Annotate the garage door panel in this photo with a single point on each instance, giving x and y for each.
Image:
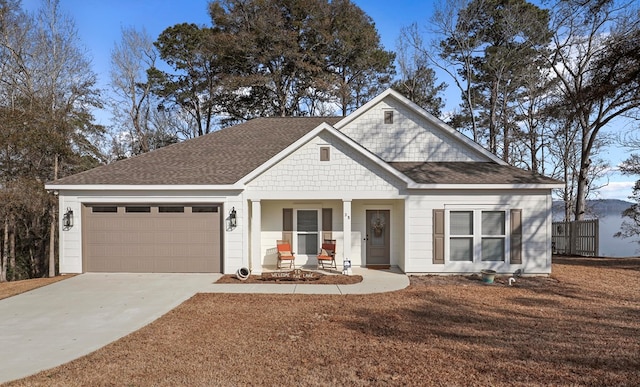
(151, 241)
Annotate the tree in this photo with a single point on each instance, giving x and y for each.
(497, 43)
(292, 58)
(360, 66)
(192, 88)
(134, 106)
(631, 228)
(47, 132)
(417, 80)
(594, 45)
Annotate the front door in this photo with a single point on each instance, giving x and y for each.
(378, 239)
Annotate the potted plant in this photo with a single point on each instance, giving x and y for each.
(488, 276)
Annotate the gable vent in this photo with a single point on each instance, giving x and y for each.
(388, 116)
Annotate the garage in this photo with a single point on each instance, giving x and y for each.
(152, 238)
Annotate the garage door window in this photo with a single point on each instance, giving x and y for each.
(198, 209)
(137, 209)
(104, 209)
(170, 209)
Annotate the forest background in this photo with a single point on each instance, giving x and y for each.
(548, 86)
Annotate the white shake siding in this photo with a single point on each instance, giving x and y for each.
(536, 226)
(308, 183)
(410, 138)
(348, 174)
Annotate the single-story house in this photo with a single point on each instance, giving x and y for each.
(390, 183)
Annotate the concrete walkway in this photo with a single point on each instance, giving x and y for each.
(55, 324)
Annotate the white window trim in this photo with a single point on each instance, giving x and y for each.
(477, 237)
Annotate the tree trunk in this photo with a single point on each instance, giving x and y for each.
(5, 251)
(12, 250)
(53, 228)
(581, 192)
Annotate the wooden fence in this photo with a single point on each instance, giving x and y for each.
(579, 237)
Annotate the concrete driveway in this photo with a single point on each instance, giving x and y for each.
(55, 324)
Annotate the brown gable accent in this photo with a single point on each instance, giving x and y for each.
(469, 173)
(221, 157)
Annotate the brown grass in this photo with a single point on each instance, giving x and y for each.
(9, 289)
(581, 327)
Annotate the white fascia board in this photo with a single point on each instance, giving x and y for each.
(308, 137)
(142, 187)
(424, 114)
(466, 187)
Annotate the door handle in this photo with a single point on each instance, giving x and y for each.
(366, 238)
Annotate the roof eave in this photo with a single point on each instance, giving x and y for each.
(143, 187)
(467, 187)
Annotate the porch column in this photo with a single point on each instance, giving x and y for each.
(256, 231)
(346, 227)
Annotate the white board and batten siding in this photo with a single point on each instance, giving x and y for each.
(536, 230)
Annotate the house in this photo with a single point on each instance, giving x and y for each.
(393, 185)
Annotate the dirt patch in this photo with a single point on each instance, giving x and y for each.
(323, 279)
(9, 289)
(580, 327)
(476, 280)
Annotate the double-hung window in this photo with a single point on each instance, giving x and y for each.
(493, 238)
(477, 235)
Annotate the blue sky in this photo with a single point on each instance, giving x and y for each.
(99, 24)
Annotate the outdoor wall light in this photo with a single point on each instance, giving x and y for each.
(67, 218)
(233, 222)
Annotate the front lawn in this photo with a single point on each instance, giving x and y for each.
(580, 327)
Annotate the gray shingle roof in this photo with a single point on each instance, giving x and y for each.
(220, 158)
(225, 156)
(469, 173)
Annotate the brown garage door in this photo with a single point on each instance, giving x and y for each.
(154, 238)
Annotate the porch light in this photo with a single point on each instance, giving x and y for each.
(67, 218)
(232, 218)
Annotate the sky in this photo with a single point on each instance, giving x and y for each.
(99, 24)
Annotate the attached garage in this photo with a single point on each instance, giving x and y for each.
(152, 238)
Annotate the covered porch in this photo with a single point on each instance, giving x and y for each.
(368, 232)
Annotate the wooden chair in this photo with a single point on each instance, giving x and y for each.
(285, 254)
(327, 255)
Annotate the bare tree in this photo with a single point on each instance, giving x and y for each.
(449, 22)
(134, 107)
(585, 34)
(46, 93)
(417, 79)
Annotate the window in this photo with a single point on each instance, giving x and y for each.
(170, 209)
(325, 154)
(493, 235)
(137, 209)
(388, 116)
(200, 209)
(104, 209)
(307, 232)
(477, 235)
(461, 231)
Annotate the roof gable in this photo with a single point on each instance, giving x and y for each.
(347, 172)
(355, 151)
(414, 135)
